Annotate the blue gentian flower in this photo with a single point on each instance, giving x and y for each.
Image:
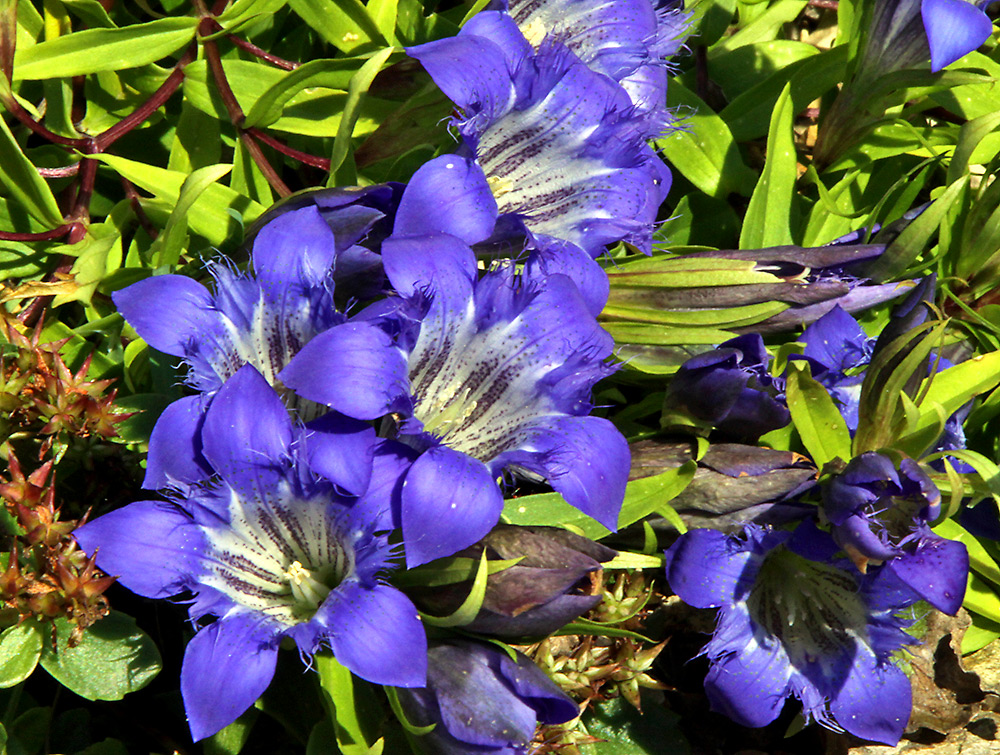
(261, 319)
(904, 33)
(838, 351)
(483, 375)
(627, 40)
(482, 701)
(793, 621)
(954, 28)
(270, 548)
(879, 512)
(552, 150)
(731, 389)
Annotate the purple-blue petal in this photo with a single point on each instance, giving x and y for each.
(376, 633)
(449, 195)
(293, 252)
(151, 546)
(175, 449)
(874, 702)
(247, 432)
(586, 459)
(835, 340)
(937, 570)
(168, 311)
(449, 502)
(707, 569)
(341, 450)
(954, 29)
(751, 684)
(355, 368)
(227, 666)
(439, 262)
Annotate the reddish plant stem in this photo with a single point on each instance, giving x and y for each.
(106, 138)
(134, 201)
(15, 109)
(55, 233)
(236, 112)
(68, 170)
(303, 157)
(250, 47)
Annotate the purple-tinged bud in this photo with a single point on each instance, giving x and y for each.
(536, 596)
(481, 700)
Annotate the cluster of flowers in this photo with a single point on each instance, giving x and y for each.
(858, 560)
(393, 353)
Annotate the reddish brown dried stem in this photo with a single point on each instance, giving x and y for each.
(134, 201)
(236, 112)
(250, 47)
(303, 157)
(55, 233)
(68, 170)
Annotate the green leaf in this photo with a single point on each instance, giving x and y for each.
(472, 604)
(97, 256)
(243, 12)
(232, 739)
(970, 136)
(703, 150)
(331, 74)
(20, 649)
(113, 658)
(642, 498)
(397, 708)
(765, 27)
(906, 247)
(345, 24)
(210, 215)
(128, 47)
(981, 598)
(819, 423)
(356, 90)
(352, 707)
(626, 731)
(166, 250)
(22, 183)
(768, 221)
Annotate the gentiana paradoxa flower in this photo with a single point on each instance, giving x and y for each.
(261, 318)
(482, 375)
(271, 549)
(796, 622)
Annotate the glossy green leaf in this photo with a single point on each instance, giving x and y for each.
(625, 731)
(765, 27)
(352, 707)
(768, 221)
(818, 421)
(166, 250)
(114, 657)
(356, 91)
(981, 597)
(642, 497)
(242, 12)
(472, 604)
(330, 74)
(970, 136)
(703, 150)
(128, 47)
(20, 649)
(22, 183)
(345, 24)
(209, 215)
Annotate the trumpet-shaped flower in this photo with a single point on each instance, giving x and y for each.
(272, 550)
(794, 622)
(483, 375)
(881, 512)
(261, 319)
(627, 40)
(552, 149)
(482, 701)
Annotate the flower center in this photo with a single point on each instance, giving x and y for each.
(309, 587)
(813, 609)
(534, 32)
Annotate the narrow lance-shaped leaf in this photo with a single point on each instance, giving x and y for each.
(768, 219)
(128, 47)
(819, 423)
